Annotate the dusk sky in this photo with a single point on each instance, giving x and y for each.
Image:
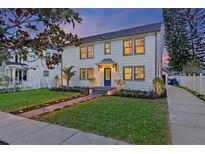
(97, 21)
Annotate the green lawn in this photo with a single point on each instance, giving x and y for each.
(137, 121)
(19, 100)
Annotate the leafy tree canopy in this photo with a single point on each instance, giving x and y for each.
(36, 29)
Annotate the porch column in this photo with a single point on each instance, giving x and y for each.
(14, 76)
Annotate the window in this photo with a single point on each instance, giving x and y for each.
(107, 48)
(25, 75)
(139, 46)
(82, 73)
(90, 51)
(45, 73)
(16, 59)
(47, 56)
(83, 53)
(127, 44)
(127, 73)
(90, 73)
(139, 73)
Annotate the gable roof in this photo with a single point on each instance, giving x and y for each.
(155, 27)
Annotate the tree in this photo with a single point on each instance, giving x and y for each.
(37, 29)
(56, 78)
(193, 67)
(4, 56)
(68, 74)
(176, 41)
(195, 19)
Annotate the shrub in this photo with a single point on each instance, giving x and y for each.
(82, 90)
(119, 84)
(139, 94)
(158, 84)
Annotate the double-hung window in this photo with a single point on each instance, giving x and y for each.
(90, 51)
(82, 73)
(139, 46)
(107, 48)
(127, 45)
(127, 73)
(82, 52)
(90, 73)
(139, 73)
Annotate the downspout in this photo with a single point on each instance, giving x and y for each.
(155, 54)
(61, 68)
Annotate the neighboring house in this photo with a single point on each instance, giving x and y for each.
(27, 74)
(133, 56)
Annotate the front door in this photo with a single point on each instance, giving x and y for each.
(107, 77)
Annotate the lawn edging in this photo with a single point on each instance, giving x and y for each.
(195, 93)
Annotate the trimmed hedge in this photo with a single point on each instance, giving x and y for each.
(82, 90)
(140, 94)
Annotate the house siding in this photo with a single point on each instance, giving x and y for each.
(71, 58)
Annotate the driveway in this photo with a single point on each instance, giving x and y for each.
(22, 131)
(187, 117)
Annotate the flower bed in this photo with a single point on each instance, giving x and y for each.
(44, 105)
(140, 94)
(82, 90)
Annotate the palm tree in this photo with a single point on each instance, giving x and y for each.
(68, 74)
(56, 78)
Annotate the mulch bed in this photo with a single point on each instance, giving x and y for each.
(44, 105)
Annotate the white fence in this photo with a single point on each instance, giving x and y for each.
(196, 83)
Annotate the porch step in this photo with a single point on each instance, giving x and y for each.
(102, 90)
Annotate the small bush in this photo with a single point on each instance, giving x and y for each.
(158, 84)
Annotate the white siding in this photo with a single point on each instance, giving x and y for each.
(71, 57)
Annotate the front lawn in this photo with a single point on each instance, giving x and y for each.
(137, 121)
(19, 100)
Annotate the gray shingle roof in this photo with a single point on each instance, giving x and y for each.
(14, 63)
(155, 27)
(106, 61)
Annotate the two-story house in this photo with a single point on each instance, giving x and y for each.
(133, 56)
(30, 72)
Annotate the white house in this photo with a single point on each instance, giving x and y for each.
(133, 56)
(27, 74)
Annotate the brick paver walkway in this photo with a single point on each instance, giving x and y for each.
(22, 131)
(187, 117)
(46, 109)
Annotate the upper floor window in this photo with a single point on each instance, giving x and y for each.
(127, 73)
(90, 73)
(90, 51)
(107, 48)
(139, 73)
(139, 46)
(47, 56)
(82, 73)
(16, 58)
(82, 52)
(127, 44)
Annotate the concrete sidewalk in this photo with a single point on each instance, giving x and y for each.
(22, 131)
(187, 117)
